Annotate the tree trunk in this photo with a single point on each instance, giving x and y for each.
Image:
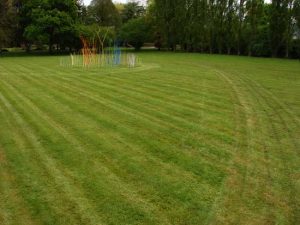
(228, 51)
(51, 40)
(28, 47)
(287, 55)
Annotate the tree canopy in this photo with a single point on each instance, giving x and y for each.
(242, 27)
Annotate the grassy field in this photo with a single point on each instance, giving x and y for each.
(183, 139)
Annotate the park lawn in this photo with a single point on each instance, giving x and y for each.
(182, 139)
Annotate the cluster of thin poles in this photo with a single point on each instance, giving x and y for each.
(92, 57)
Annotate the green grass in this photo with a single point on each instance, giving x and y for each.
(182, 139)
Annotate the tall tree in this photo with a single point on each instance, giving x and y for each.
(254, 9)
(132, 10)
(104, 13)
(289, 24)
(7, 22)
(231, 25)
(241, 17)
(51, 21)
(277, 26)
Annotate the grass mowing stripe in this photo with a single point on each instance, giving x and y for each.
(94, 169)
(110, 78)
(61, 180)
(127, 81)
(288, 119)
(153, 112)
(234, 185)
(104, 104)
(133, 196)
(158, 156)
(12, 207)
(167, 117)
(264, 105)
(32, 178)
(165, 93)
(173, 107)
(253, 94)
(170, 79)
(256, 168)
(178, 119)
(217, 214)
(171, 110)
(281, 129)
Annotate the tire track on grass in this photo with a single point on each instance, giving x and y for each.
(256, 93)
(276, 106)
(258, 146)
(264, 104)
(290, 168)
(235, 183)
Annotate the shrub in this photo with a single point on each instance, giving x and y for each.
(135, 32)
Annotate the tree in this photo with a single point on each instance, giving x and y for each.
(52, 22)
(289, 25)
(135, 32)
(296, 11)
(104, 13)
(254, 9)
(132, 10)
(171, 19)
(7, 23)
(231, 26)
(241, 17)
(277, 26)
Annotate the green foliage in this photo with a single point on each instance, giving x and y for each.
(52, 22)
(7, 23)
(297, 12)
(104, 13)
(227, 26)
(132, 10)
(99, 35)
(135, 32)
(248, 27)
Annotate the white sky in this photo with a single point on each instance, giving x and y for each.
(87, 2)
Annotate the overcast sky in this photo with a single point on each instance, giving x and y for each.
(86, 2)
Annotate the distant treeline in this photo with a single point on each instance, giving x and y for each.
(242, 27)
(248, 27)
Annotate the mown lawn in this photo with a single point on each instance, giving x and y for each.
(183, 139)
